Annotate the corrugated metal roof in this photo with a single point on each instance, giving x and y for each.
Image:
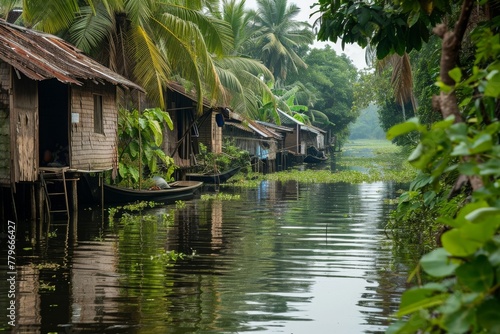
(178, 88)
(276, 127)
(261, 130)
(41, 56)
(287, 119)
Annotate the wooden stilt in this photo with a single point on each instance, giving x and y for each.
(74, 210)
(2, 205)
(101, 184)
(74, 197)
(41, 210)
(13, 202)
(33, 213)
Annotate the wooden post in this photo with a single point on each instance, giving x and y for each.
(2, 205)
(74, 196)
(13, 202)
(74, 211)
(33, 213)
(101, 183)
(41, 211)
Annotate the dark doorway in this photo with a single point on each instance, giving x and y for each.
(53, 104)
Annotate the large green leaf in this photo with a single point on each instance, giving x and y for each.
(476, 275)
(460, 321)
(487, 315)
(404, 128)
(466, 240)
(438, 263)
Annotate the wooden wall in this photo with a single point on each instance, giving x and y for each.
(4, 124)
(90, 150)
(291, 142)
(24, 124)
(211, 134)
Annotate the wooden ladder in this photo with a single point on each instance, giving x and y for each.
(53, 176)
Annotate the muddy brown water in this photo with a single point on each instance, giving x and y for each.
(284, 258)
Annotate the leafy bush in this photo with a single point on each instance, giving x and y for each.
(140, 137)
(231, 157)
(464, 293)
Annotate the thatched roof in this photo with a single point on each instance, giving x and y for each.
(42, 56)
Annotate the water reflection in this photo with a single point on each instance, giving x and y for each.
(286, 258)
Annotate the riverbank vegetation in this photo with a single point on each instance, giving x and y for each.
(452, 206)
(360, 161)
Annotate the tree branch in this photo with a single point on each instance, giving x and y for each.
(447, 103)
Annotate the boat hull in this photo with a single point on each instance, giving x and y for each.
(311, 159)
(180, 190)
(212, 178)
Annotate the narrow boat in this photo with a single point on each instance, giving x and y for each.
(180, 190)
(213, 178)
(314, 156)
(312, 159)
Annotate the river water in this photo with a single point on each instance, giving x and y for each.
(284, 258)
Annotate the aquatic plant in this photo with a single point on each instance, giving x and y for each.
(180, 204)
(166, 257)
(361, 161)
(220, 196)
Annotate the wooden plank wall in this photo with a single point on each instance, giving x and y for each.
(291, 142)
(24, 124)
(4, 123)
(90, 150)
(211, 134)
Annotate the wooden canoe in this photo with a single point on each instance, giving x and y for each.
(180, 190)
(214, 178)
(311, 159)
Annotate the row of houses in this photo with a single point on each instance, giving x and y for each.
(55, 98)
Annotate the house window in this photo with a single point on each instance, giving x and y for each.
(98, 119)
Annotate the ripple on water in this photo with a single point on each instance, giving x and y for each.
(286, 258)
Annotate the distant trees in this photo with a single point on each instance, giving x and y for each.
(332, 79)
(367, 125)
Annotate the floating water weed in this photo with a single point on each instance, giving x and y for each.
(220, 196)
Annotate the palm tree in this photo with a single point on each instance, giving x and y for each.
(245, 79)
(279, 36)
(148, 41)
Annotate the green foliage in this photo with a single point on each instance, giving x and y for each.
(180, 204)
(464, 296)
(331, 79)
(140, 138)
(220, 197)
(367, 125)
(278, 36)
(361, 161)
(388, 26)
(231, 157)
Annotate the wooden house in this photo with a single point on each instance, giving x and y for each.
(190, 128)
(303, 136)
(262, 143)
(54, 98)
(282, 156)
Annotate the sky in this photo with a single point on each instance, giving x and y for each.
(353, 51)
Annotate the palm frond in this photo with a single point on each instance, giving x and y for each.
(90, 28)
(217, 33)
(151, 69)
(50, 16)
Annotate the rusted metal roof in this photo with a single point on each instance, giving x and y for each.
(178, 88)
(245, 122)
(41, 56)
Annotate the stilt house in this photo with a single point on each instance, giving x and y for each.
(58, 111)
(53, 97)
(303, 136)
(190, 127)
